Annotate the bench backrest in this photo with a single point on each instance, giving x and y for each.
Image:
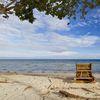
(83, 67)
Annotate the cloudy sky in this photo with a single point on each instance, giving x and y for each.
(50, 38)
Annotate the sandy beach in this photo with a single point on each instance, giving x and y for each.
(43, 86)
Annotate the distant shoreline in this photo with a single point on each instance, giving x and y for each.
(43, 59)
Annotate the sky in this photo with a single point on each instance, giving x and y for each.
(51, 38)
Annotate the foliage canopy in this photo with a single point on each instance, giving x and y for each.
(24, 9)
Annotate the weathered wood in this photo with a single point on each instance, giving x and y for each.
(87, 90)
(67, 94)
(84, 73)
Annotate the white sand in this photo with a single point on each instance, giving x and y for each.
(44, 87)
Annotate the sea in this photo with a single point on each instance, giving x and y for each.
(45, 65)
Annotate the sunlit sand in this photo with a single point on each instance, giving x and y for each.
(52, 86)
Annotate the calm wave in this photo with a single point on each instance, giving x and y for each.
(26, 65)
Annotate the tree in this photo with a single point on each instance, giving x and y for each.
(24, 9)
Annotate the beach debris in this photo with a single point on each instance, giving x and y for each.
(28, 87)
(3, 80)
(68, 94)
(83, 93)
(87, 90)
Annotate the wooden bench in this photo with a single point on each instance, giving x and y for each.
(84, 73)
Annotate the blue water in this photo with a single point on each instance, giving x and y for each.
(31, 65)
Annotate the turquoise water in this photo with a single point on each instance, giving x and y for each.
(46, 65)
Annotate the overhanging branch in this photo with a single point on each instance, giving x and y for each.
(6, 9)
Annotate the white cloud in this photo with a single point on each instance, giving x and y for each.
(88, 56)
(35, 54)
(82, 24)
(53, 23)
(56, 24)
(98, 10)
(52, 43)
(22, 39)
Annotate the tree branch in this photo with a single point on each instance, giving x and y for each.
(10, 3)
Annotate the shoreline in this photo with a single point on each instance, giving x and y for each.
(69, 76)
